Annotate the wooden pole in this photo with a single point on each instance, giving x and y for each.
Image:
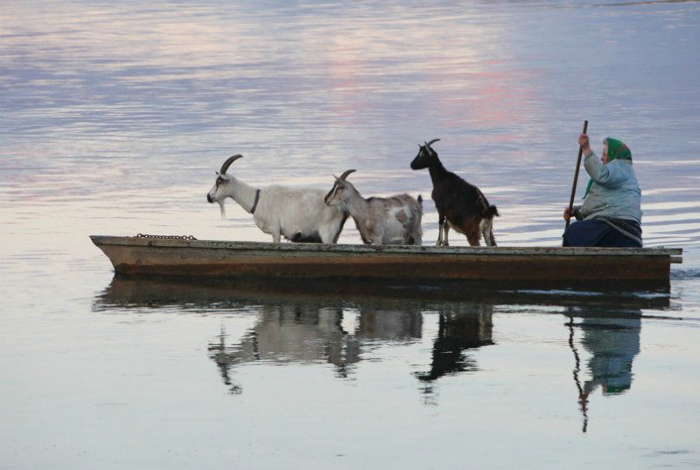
(578, 166)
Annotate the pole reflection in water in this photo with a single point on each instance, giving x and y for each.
(612, 343)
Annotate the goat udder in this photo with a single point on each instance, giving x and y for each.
(302, 238)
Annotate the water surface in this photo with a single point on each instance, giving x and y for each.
(113, 119)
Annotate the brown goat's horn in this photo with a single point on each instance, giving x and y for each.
(431, 142)
(345, 175)
(228, 162)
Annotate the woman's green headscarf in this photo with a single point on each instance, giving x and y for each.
(616, 151)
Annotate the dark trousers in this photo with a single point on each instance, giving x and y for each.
(596, 233)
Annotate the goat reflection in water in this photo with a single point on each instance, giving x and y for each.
(612, 344)
(298, 327)
(288, 333)
(309, 333)
(458, 332)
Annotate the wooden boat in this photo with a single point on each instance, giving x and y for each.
(532, 267)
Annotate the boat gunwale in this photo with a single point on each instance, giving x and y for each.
(675, 254)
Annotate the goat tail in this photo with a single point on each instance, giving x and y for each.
(491, 212)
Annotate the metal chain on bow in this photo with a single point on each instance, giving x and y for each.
(169, 237)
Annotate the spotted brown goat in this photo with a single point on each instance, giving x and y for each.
(391, 220)
(460, 205)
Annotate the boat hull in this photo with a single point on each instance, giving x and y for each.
(528, 267)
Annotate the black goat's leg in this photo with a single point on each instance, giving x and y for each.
(447, 229)
(486, 228)
(441, 221)
(473, 238)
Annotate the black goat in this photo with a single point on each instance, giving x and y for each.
(459, 204)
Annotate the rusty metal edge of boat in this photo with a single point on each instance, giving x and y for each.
(674, 254)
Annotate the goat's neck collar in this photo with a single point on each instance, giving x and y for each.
(244, 194)
(255, 203)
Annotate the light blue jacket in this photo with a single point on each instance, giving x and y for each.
(614, 193)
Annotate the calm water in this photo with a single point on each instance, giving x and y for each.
(113, 119)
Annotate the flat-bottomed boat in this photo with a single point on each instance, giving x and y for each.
(513, 267)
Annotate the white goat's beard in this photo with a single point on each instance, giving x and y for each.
(222, 207)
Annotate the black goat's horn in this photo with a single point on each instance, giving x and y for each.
(228, 162)
(431, 142)
(345, 175)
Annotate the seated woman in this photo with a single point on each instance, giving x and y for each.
(611, 212)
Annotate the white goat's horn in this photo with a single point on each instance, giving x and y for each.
(345, 174)
(228, 162)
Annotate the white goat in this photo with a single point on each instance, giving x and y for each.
(298, 214)
(381, 221)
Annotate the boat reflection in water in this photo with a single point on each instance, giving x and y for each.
(339, 325)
